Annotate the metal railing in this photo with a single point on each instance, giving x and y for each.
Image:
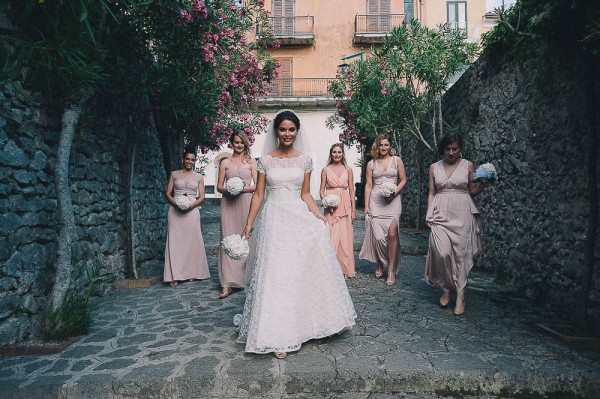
(300, 87)
(292, 26)
(377, 23)
(458, 25)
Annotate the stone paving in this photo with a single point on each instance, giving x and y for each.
(163, 342)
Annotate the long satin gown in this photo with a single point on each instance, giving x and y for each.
(296, 291)
(383, 213)
(234, 211)
(185, 255)
(455, 237)
(340, 221)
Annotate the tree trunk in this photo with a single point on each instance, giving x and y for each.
(64, 265)
(130, 213)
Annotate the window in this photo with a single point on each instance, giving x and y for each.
(283, 17)
(282, 86)
(491, 5)
(409, 11)
(457, 15)
(378, 15)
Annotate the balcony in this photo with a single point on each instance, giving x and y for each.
(300, 87)
(372, 28)
(293, 31)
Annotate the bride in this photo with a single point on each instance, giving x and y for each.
(296, 291)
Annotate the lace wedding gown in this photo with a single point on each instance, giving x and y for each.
(297, 291)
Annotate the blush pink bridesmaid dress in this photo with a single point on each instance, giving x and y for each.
(340, 221)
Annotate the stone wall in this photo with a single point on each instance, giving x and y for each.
(532, 127)
(99, 178)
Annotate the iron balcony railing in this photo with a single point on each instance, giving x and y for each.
(377, 23)
(293, 26)
(458, 25)
(300, 87)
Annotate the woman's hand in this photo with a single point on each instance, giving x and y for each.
(319, 215)
(367, 211)
(353, 215)
(247, 232)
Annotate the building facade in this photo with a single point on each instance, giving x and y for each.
(317, 37)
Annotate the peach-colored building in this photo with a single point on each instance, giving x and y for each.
(318, 36)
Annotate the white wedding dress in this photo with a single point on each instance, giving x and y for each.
(297, 291)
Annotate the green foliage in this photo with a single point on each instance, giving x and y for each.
(397, 90)
(188, 62)
(556, 29)
(73, 317)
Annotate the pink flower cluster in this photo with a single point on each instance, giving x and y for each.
(199, 11)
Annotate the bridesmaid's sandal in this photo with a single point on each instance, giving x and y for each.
(391, 282)
(379, 273)
(459, 310)
(225, 293)
(280, 355)
(173, 284)
(445, 299)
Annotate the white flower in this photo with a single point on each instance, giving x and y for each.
(236, 246)
(331, 201)
(388, 189)
(235, 185)
(487, 172)
(183, 202)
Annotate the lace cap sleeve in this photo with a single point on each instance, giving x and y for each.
(308, 164)
(260, 165)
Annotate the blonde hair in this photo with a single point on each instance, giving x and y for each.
(330, 160)
(246, 154)
(377, 142)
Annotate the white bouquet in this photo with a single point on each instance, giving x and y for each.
(388, 189)
(487, 172)
(235, 185)
(330, 201)
(236, 246)
(183, 202)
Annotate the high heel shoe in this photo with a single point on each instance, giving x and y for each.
(445, 299)
(280, 355)
(379, 273)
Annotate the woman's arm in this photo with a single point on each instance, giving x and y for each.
(252, 188)
(475, 188)
(323, 182)
(368, 186)
(401, 176)
(309, 200)
(169, 191)
(431, 194)
(351, 191)
(221, 179)
(255, 203)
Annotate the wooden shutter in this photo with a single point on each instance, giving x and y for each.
(378, 19)
(283, 84)
(283, 13)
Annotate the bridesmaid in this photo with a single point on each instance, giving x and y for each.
(382, 215)
(337, 179)
(454, 239)
(234, 209)
(185, 256)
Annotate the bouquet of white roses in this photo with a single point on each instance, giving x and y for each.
(183, 202)
(235, 185)
(388, 189)
(236, 246)
(487, 172)
(330, 201)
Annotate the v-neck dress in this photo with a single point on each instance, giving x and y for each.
(455, 237)
(383, 213)
(340, 220)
